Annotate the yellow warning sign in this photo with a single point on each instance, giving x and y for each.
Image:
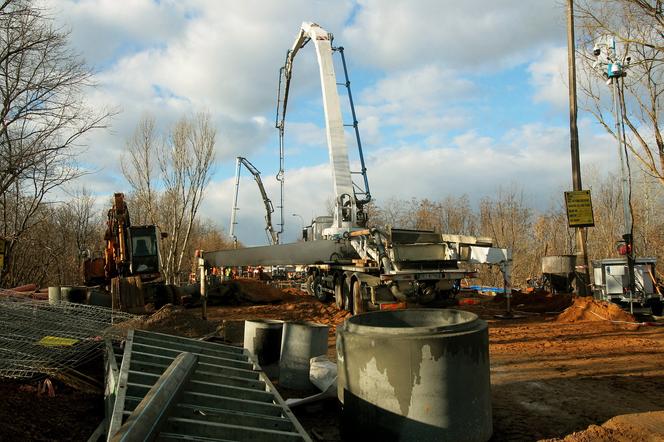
(579, 208)
(55, 341)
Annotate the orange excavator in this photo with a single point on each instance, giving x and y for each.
(130, 250)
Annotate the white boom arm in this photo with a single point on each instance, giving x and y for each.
(345, 215)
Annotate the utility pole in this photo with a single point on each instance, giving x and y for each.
(582, 270)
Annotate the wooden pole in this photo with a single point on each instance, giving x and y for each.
(582, 270)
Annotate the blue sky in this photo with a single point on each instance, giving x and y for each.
(451, 98)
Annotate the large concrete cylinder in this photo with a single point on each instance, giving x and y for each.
(300, 342)
(559, 264)
(262, 337)
(54, 295)
(417, 374)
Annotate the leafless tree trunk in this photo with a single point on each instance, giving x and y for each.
(168, 176)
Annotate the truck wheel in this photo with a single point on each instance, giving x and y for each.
(339, 293)
(317, 288)
(656, 307)
(359, 304)
(309, 285)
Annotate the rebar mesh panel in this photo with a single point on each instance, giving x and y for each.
(38, 337)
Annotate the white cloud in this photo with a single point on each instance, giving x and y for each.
(416, 101)
(395, 34)
(548, 75)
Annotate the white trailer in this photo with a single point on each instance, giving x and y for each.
(611, 280)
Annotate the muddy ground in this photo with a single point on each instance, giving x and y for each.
(551, 375)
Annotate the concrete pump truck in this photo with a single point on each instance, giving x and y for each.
(361, 267)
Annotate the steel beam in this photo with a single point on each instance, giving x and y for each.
(300, 253)
(145, 421)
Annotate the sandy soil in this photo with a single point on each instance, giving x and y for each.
(552, 375)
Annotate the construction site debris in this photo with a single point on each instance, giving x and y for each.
(539, 382)
(590, 309)
(25, 288)
(256, 291)
(171, 319)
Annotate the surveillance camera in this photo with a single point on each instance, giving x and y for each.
(596, 51)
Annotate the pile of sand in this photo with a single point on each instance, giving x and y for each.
(590, 309)
(253, 290)
(174, 320)
(623, 428)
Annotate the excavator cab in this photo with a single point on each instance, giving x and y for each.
(144, 250)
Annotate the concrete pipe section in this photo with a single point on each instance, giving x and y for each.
(300, 342)
(262, 337)
(54, 295)
(417, 374)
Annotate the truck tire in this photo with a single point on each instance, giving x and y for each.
(339, 293)
(315, 288)
(309, 285)
(359, 304)
(656, 307)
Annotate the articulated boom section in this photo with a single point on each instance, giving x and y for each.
(273, 236)
(346, 207)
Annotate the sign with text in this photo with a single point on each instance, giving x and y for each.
(579, 208)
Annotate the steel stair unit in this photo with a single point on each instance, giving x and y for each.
(165, 387)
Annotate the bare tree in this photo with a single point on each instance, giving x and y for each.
(138, 168)
(50, 250)
(43, 113)
(508, 220)
(168, 176)
(637, 26)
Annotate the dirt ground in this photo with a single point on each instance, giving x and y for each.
(553, 372)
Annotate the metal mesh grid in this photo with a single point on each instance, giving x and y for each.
(24, 322)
